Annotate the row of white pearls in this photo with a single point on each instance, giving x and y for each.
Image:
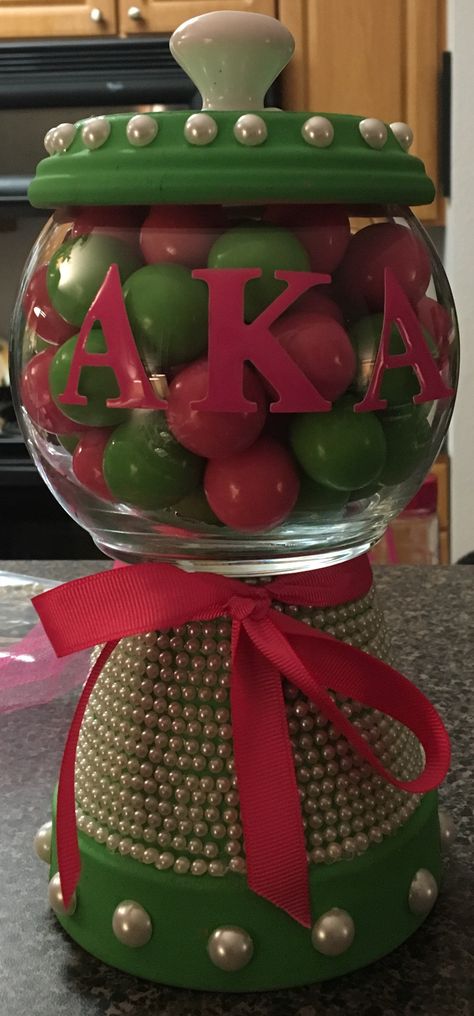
(375, 134)
(201, 129)
(59, 139)
(318, 131)
(94, 134)
(42, 846)
(231, 948)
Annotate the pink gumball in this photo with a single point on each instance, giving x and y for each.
(40, 315)
(317, 301)
(255, 489)
(372, 250)
(87, 461)
(438, 323)
(180, 234)
(324, 230)
(212, 435)
(37, 399)
(321, 348)
(121, 222)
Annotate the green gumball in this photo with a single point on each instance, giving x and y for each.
(78, 269)
(341, 449)
(144, 465)
(365, 492)
(266, 247)
(408, 438)
(69, 442)
(313, 497)
(399, 384)
(196, 507)
(167, 310)
(97, 383)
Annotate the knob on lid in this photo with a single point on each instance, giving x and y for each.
(235, 150)
(232, 56)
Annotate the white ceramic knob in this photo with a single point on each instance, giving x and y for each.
(232, 56)
(134, 13)
(96, 15)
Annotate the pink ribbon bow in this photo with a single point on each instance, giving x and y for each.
(267, 646)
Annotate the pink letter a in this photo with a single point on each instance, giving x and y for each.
(121, 354)
(398, 310)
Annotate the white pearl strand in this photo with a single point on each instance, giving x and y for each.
(155, 770)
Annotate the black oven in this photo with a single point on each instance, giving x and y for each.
(43, 83)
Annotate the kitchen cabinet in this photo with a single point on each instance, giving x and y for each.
(165, 15)
(37, 18)
(378, 58)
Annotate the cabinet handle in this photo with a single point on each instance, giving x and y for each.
(96, 15)
(135, 14)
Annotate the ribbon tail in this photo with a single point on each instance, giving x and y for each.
(69, 858)
(314, 662)
(275, 849)
(374, 683)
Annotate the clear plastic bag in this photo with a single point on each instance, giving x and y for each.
(30, 673)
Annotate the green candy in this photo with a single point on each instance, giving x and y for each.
(97, 383)
(365, 492)
(399, 384)
(196, 507)
(69, 442)
(341, 449)
(313, 497)
(40, 345)
(265, 247)
(78, 269)
(167, 310)
(144, 465)
(408, 438)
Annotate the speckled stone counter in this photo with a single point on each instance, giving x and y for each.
(430, 613)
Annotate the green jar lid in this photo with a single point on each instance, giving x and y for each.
(234, 150)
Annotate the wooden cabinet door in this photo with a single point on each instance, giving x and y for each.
(37, 18)
(137, 16)
(373, 58)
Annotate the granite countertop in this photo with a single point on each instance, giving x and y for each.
(42, 973)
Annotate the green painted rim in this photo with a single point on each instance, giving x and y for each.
(186, 909)
(285, 168)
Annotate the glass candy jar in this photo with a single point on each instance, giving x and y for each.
(235, 350)
(233, 420)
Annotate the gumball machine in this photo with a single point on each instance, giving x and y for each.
(236, 354)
